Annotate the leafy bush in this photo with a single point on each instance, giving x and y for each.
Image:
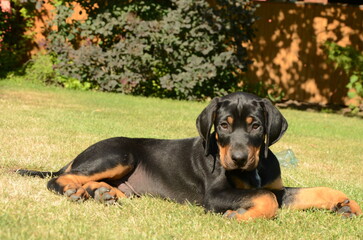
(351, 61)
(40, 68)
(15, 45)
(176, 48)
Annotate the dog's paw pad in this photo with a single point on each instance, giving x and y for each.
(70, 192)
(344, 209)
(76, 195)
(241, 211)
(75, 198)
(234, 214)
(347, 209)
(105, 196)
(231, 215)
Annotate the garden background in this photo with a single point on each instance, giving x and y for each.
(291, 58)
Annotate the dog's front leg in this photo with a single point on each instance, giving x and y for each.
(318, 197)
(242, 204)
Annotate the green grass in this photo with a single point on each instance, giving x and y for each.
(44, 128)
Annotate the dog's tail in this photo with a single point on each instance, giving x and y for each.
(25, 172)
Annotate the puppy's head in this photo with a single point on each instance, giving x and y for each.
(243, 125)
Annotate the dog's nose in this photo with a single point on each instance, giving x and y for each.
(239, 157)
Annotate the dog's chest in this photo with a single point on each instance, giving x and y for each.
(245, 180)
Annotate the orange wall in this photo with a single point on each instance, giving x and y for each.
(287, 49)
(42, 23)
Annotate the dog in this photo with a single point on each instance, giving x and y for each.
(227, 169)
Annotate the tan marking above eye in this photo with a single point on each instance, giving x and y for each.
(230, 120)
(249, 120)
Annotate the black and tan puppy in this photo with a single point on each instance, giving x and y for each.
(228, 170)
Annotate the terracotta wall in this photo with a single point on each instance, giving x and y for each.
(287, 48)
(43, 23)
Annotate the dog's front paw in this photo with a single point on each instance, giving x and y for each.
(105, 195)
(235, 214)
(347, 208)
(76, 195)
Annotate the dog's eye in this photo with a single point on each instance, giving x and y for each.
(255, 126)
(224, 125)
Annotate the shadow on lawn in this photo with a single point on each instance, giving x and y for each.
(315, 107)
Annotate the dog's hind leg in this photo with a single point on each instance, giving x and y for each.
(79, 187)
(103, 192)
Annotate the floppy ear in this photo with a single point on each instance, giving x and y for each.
(275, 124)
(205, 122)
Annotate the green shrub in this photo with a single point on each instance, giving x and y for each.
(177, 48)
(40, 68)
(15, 45)
(351, 61)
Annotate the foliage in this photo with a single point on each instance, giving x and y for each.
(15, 45)
(40, 68)
(351, 61)
(179, 49)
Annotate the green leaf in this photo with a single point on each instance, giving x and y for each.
(71, 36)
(352, 94)
(353, 79)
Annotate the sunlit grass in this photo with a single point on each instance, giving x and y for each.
(44, 128)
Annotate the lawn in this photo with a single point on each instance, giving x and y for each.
(43, 128)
